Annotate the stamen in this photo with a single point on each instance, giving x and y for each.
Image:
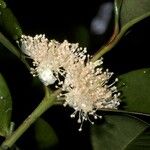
(73, 114)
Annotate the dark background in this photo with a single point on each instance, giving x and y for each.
(66, 20)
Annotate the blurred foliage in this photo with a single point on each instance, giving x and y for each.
(45, 135)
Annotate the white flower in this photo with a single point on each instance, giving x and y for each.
(85, 85)
(51, 58)
(86, 90)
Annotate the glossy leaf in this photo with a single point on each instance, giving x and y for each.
(45, 135)
(132, 11)
(121, 133)
(135, 88)
(9, 23)
(5, 107)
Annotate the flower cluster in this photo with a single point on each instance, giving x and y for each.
(50, 58)
(84, 85)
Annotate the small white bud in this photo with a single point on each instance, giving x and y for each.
(47, 77)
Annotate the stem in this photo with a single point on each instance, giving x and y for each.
(9, 45)
(13, 49)
(46, 103)
(115, 39)
(108, 46)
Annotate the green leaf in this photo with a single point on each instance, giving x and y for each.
(5, 107)
(121, 133)
(132, 11)
(45, 135)
(9, 23)
(135, 87)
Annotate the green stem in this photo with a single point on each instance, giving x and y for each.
(116, 38)
(46, 103)
(13, 49)
(8, 45)
(108, 46)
